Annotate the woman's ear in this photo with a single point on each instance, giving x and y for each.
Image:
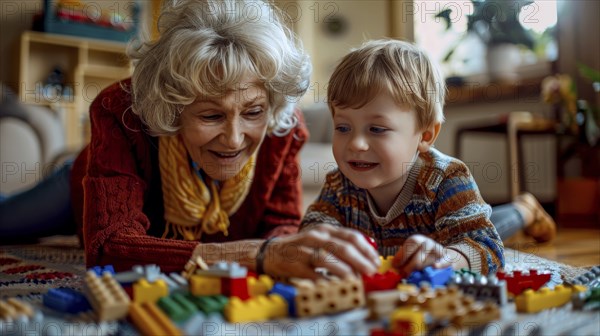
(428, 136)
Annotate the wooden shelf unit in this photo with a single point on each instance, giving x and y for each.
(88, 66)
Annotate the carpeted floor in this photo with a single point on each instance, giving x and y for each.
(28, 271)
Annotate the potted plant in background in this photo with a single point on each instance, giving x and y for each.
(496, 23)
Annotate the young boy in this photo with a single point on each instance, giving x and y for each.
(418, 204)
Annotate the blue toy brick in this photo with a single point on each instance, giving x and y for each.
(288, 293)
(99, 270)
(66, 300)
(435, 277)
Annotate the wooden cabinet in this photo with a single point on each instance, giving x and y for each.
(87, 65)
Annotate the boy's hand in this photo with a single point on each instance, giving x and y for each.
(418, 252)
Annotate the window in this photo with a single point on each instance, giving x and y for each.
(460, 49)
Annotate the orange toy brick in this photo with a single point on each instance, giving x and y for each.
(152, 321)
(144, 291)
(532, 302)
(107, 297)
(260, 308)
(13, 308)
(328, 296)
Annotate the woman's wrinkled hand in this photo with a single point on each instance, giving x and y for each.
(340, 251)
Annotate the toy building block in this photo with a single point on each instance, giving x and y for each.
(205, 285)
(386, 264)
(107, 297)
(435, 277)
(144, 291)
(151, 321)
(235, 287)
(476, 315)
(378, 282)
(481, 287)
(209, 304)
(177, 307)
(175, 282)
(224, 269)
(66, 300)
(328, 296)
(408, 321)
(260, 286)
(255, 309)
(13, 308)
(518, 281)
(99, 270)
(404, 286)
(288, 293)
(532, 302)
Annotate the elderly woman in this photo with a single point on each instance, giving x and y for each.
(197, 153)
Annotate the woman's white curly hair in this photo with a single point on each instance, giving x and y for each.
(208, 47)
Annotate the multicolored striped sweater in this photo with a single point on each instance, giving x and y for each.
(439, 199)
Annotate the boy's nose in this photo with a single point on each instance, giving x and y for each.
(358, 143)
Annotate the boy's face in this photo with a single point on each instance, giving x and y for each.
(375, 145)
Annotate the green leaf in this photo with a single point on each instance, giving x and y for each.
(588, 72)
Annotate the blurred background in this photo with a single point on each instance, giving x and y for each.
(522, 107)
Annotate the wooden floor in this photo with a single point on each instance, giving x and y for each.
(576, 247)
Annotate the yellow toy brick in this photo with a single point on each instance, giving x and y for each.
(260, 286)
(13, 308)
(107, 297)
(144, 291)
(201, 285)
(386, 264)
(150, 320)
(260, 308)
(408, 321)
(532, 302)
(328, 296)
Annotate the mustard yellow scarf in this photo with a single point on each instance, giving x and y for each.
(194, 205)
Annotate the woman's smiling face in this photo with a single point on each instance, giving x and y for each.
(221, 134)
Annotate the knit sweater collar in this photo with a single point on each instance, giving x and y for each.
(402, 199)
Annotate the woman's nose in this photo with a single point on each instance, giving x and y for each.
(233, 135)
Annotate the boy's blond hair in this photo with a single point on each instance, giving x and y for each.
(389, 66)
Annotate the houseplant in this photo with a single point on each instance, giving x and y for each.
(496, 24)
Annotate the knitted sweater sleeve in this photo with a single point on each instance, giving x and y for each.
(283, 209)
(462, 221)
(115, 227)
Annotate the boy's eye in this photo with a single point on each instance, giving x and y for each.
(377, 130)
(342, 128)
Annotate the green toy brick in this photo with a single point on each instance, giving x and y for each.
(177, 306)
(209, 304)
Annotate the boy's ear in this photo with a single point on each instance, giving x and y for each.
(428, 137)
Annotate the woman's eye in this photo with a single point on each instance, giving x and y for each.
(342, 129)
(377, 130)
(210, 117)
(254, 113)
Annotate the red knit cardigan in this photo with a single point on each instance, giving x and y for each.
(117, 194)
